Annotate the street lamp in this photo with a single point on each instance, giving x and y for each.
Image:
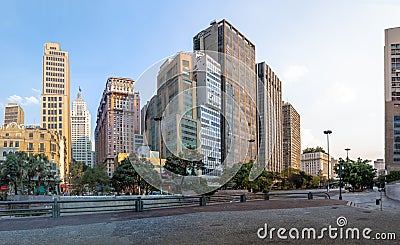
(340, 173)
(251, 149)
(158, 119)
(328, 132)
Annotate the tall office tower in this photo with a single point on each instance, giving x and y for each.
(207, 74)
(392, 98)
(177, 100)
(291, 137)
(55, 99)
(238, 84)
(115, 125)
(13, 113)
(150, 126)
(143, 117)
(80, 132)
(269, 104)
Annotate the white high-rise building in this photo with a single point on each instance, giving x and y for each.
(208, 77)
(80, 132)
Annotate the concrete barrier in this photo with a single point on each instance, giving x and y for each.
(393, 191)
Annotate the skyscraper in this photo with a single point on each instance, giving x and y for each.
(116, 118)
(269, 105)
(80, 132)
(291, 137)
(55, 98)
(13, 113)
(177, 101)
(238, 84)
(207, 74)
(392, 98)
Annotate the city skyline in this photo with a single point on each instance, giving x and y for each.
(298, 60)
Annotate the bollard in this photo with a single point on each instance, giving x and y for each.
(266, 197)
(243, 198)
(310, 196)
(203, 201)
(139, 205)
(55, 208)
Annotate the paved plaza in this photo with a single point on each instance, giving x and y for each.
(230, 223)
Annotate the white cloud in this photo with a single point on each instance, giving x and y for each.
(294, 73)
(23, 101)
(36, 90)
(307, 138)
(31, 100)
(15, 98)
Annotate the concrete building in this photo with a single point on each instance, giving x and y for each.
(150, 126)
(315, 163)
(269, 104)
(392, 98)
(207, 74)
(13, 113)
(81, 124)
(379, 165)
(176, 90)
(33, 140)
(55, 98)
(115, 124)
(238, 84)
(291, 137)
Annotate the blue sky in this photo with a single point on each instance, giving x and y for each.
(329, 55)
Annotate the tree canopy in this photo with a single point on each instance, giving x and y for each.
(359, 174)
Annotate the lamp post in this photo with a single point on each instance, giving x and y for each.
(158, 119)
(328, 132)
(251, 149)
(340, 172)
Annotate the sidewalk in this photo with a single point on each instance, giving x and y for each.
(10, 224)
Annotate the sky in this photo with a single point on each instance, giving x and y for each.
(328, 54)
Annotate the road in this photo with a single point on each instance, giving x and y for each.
(214, 224)
(367, 199)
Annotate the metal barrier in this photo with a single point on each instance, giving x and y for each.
(56, 207)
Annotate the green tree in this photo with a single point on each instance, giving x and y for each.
(185, 164)
(359, 174)
(76, 172)
(10, 171)
(393, 176)
(125, 177)
(95, 178)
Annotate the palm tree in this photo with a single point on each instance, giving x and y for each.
(21, 160)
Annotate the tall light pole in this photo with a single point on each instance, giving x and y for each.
(328, 132)
(340, 172)
(158, 119)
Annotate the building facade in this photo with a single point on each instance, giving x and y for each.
(207, 74)
(176, 91)
(55, 98)
(236, 55)
(291, 137)
(269, 105)
(13, 113)
(150, 126)
(81, 132)
(115, 124)
(33, 140)
(379, 165)
(392, 98)
(315, 163)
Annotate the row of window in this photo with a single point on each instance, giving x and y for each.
(54, 58)
(52, 105)
(54, 63)
(54, 85)
(54, 91)
(11, 144)
(52, 112)
(52, 98)
(52, 79)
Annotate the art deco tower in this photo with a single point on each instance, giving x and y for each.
(55, 98)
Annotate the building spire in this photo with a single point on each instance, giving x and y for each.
(79, 93)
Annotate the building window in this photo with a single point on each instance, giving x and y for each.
(30, 135)
(16, 143)
(4, 153)
(11, 144)
(5, 144)
(30, 147)
(41, 148)
(42, 136)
